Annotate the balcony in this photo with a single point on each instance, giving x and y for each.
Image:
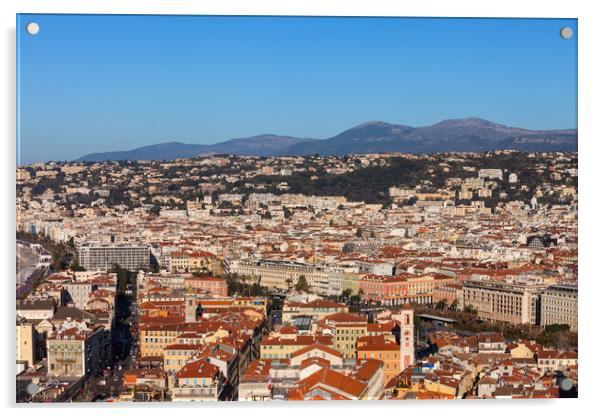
(196, 393)
(254, 391)
(65, 360)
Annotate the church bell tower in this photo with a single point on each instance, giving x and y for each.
(406, 337)
(190, 308)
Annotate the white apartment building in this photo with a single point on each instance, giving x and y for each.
(491, 174)
(559, 305)
(79, 292)
(103, 256)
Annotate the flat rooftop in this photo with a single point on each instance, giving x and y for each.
(437, 318)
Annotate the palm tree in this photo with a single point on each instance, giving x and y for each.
(441, 305)
(302, 285)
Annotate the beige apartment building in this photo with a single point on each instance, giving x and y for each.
(26, 342)
(77, 350)
(273, 274)
(317, 309)
(283, 346)
(515, 303)
(193, 261)
(282, 275)
(559, 306)
(348, 328)
(155, 337)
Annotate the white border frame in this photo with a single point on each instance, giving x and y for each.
(590, 149)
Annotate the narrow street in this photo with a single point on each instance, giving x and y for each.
(108, 385)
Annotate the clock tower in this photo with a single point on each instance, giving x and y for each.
(406, 337)
(190, 308)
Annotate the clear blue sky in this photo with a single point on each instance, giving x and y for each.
(92, 83)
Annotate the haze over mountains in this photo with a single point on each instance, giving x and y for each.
(460, 135)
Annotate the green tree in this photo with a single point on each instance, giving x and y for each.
(441, 305)
(75, 267)
(418, 324)
(302, 285)
(356, 299)
(276, 303)
(256, 290)
(123, 278)
(470, 309)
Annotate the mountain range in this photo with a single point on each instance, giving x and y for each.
(459, 135)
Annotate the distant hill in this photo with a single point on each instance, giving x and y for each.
(166, 151)
(460, 135)
(262, 145)
(371, 137)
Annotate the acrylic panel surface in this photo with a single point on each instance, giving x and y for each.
(218, 208)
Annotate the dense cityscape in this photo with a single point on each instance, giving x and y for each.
(383, 276)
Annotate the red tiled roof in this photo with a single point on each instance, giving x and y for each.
(198, 369)
(317, 346)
